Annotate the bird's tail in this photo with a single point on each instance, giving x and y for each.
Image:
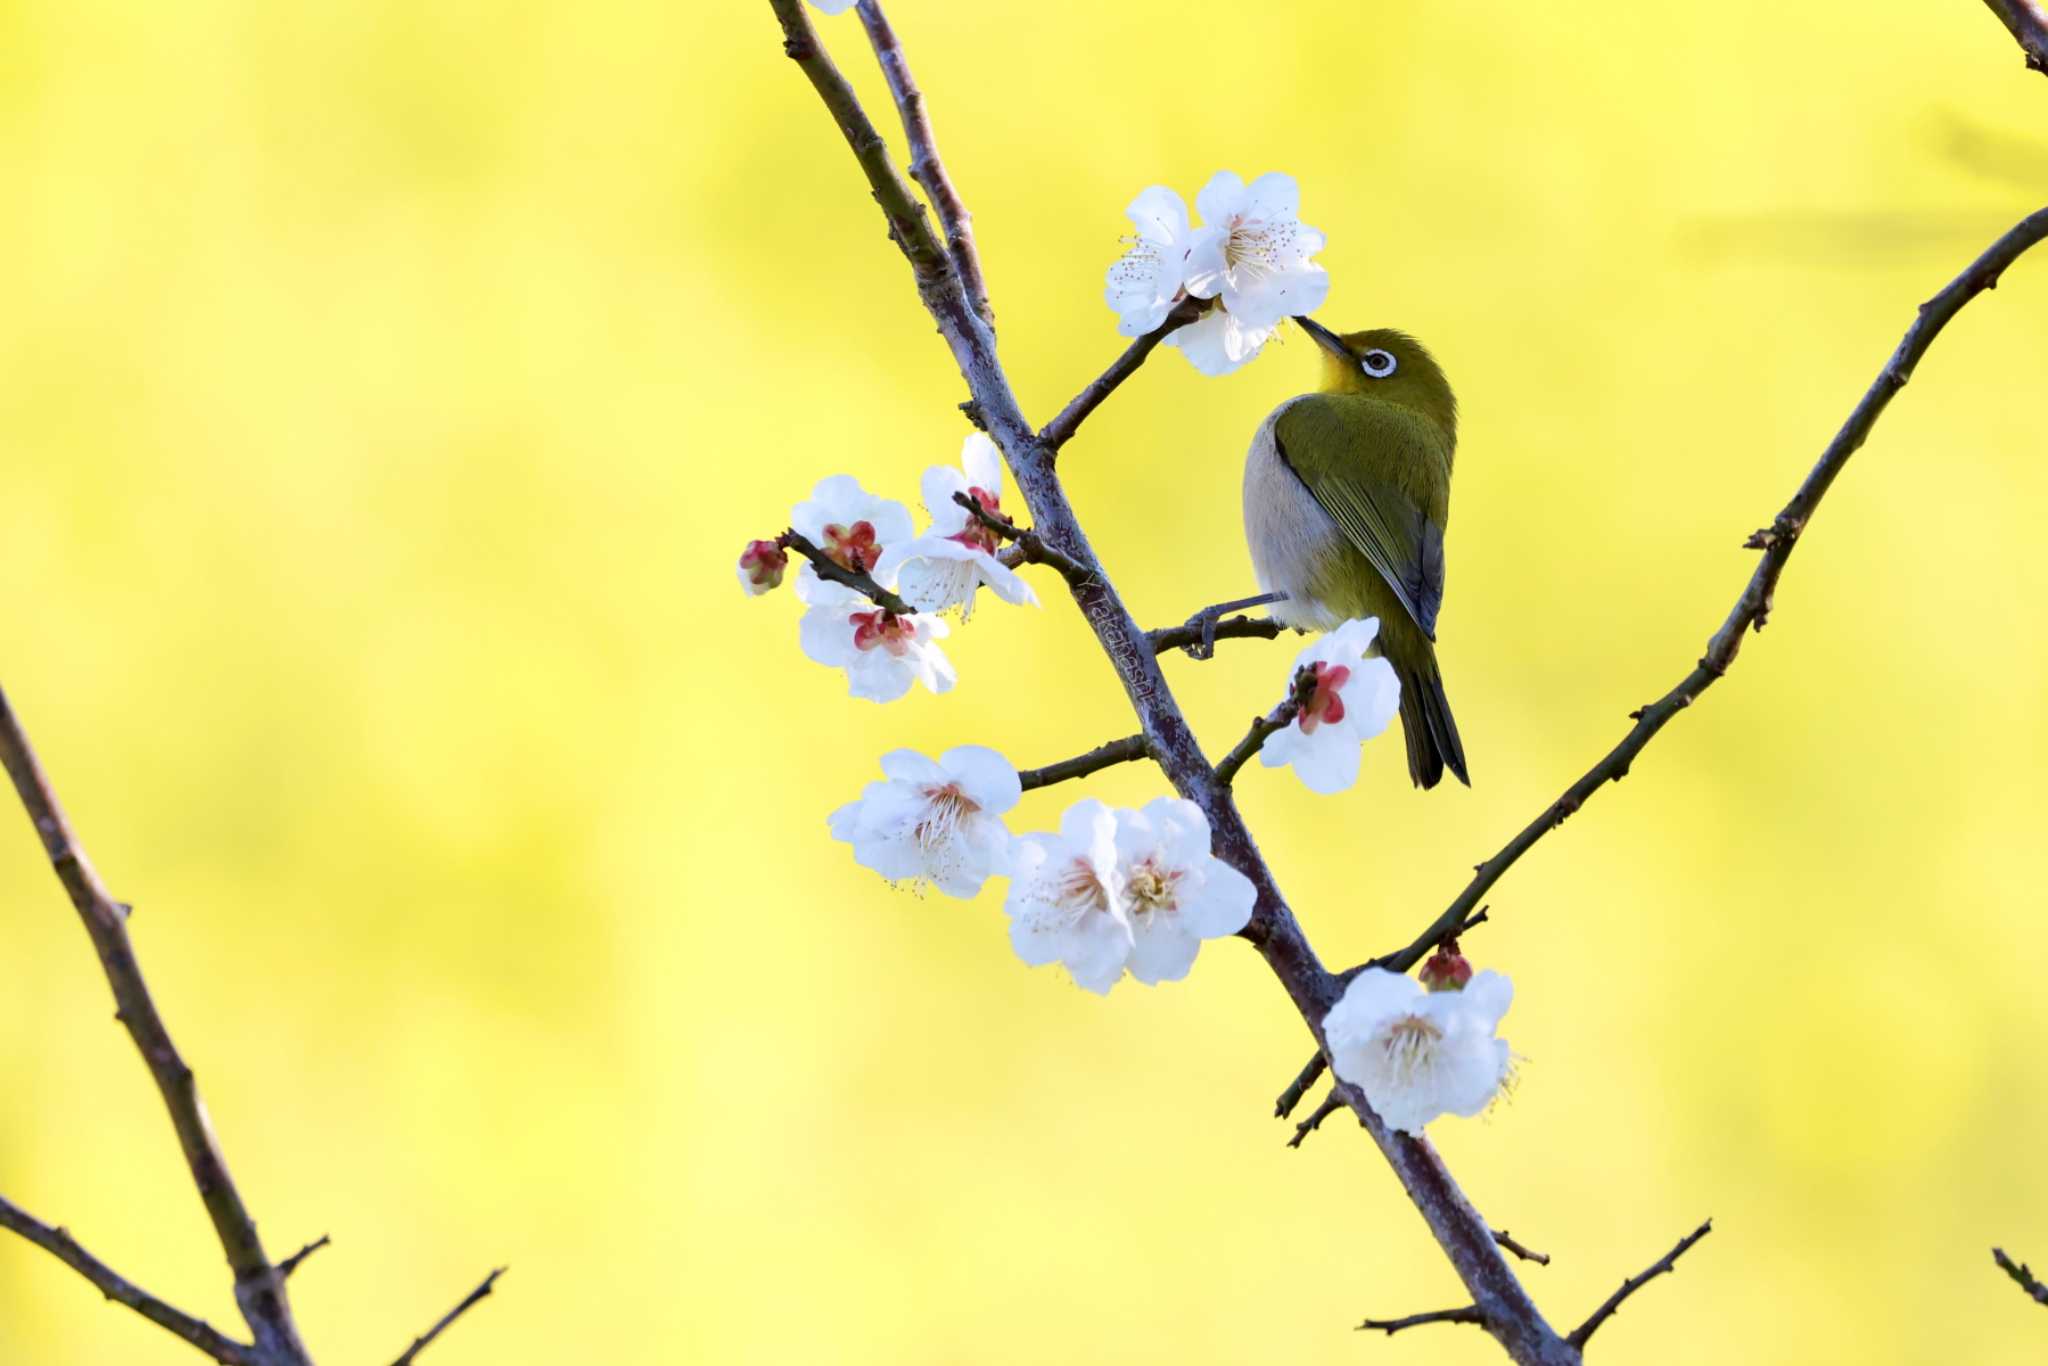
(1433, 743)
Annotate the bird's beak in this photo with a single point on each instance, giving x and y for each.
(1324, 337)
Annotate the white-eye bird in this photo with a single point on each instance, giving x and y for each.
(1346, 492)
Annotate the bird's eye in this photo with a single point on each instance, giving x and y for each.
(1377, 363)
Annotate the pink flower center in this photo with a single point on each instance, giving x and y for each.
(1325, 703)
(853, 547)
(1151, 887)
(879, 630)
(974, 534)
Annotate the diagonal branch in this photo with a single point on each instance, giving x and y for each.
(1753, 607)
(1127, 750)
(61, 1245)
(2021, 1274)
(859, 581)
(292, 1263)
(1061, 429)
(259, 1289)
(926, 167)
(1501, 1236)
(1332, 1103)
(1667, 1263)
(469, 1302)
(1272, 723)
(2028, 24)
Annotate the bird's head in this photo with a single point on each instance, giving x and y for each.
(1384, 364)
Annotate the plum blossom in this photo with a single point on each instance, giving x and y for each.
(1219, 341)
(1252, 249)
(941, 569)
(1418, 1054)
(1145, 282)
(852, 526)
(761, 566)
(1123, 890)
(882, 653)
(1355, 697)
(834, 6)
(933, 822)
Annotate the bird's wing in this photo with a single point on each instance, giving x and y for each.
(1380, 472)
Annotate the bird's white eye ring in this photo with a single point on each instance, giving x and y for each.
(1378, 364)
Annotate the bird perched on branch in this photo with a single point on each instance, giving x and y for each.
(1346, 492)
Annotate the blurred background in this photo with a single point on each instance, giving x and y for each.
(390, 385)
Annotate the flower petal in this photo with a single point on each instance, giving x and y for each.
(1160, 216)
(984, 775)
(1222, 198)
(1273, 195)
(1221, 905)
(1162, 949)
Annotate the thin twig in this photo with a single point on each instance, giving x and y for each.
(2022, 1275)
(1663, 1264)
(1188, 635)
(1124, 751)
(858, 580)
(1272, 723)
(2028, 24)
(926, 166)
(1332, 1103)
(290, 1264)
(469, 1302)
(61, 1245)
(259, 1289)
(1298, 1088)
(1061, 429)
(1030, 545)
(1500, 1235)
(1469, 1314)
(1754, 606)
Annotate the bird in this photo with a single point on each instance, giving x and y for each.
(1346, 493)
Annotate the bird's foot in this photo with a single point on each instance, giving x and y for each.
(1206, 619)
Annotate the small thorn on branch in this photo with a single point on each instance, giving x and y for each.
(290, 1264)
(1332, 1103)
(1030, 543)
(1501, 1236)
(1298, 1088)
(1469, 1314)
(1629, 1287)
(2022, 1275)
(1126, 750)
(469, 1302)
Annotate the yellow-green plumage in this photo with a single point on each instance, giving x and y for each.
(1346, 496)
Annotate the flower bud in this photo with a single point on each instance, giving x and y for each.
(1446, 969)
(761, 566)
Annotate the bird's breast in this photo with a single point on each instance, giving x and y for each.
(1292, 539)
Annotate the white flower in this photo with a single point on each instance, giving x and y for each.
(1418, 1054)
(882, 653)
(1354, 699)
(939, 823)
(1143, 285)
(1219, 341)
(1117, 890)
(940, 570)
(1253, 250)
(852, 526)
(834, 6)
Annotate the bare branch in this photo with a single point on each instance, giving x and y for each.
(1500, 1235)
(1332, 1103)
(469, 1302)
(1188, 636)
(1753, 608)
(858, 580)
(2028, 24)
(1298, 1088)
(1061, 429)
(2021, 1274)
(1272, 723)
(1031, 547)
(1469, 1314)
(290, 1264)
(1667, 1262)
(926, 167)
(1124, 751)
(259, 1289)
(61, 1245)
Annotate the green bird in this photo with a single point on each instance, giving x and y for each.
(1346, 493)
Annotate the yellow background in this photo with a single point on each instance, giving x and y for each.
(386, 389)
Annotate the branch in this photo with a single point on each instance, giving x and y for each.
(1272, 723)
(1061, 429)
(1500, 1235)
(259, 1289)
(1189, 634)
(1469, 1314)
(1031, 546)
(469, 1302)
(1298, 1088)
(2021, 1275)
(1124, 751)
(1331, 1104)
(2028, 24)
(1667, 1262)
(65, 1248)
(858, 580)
(925, 165)
(1753, 608)
(290, 1264)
